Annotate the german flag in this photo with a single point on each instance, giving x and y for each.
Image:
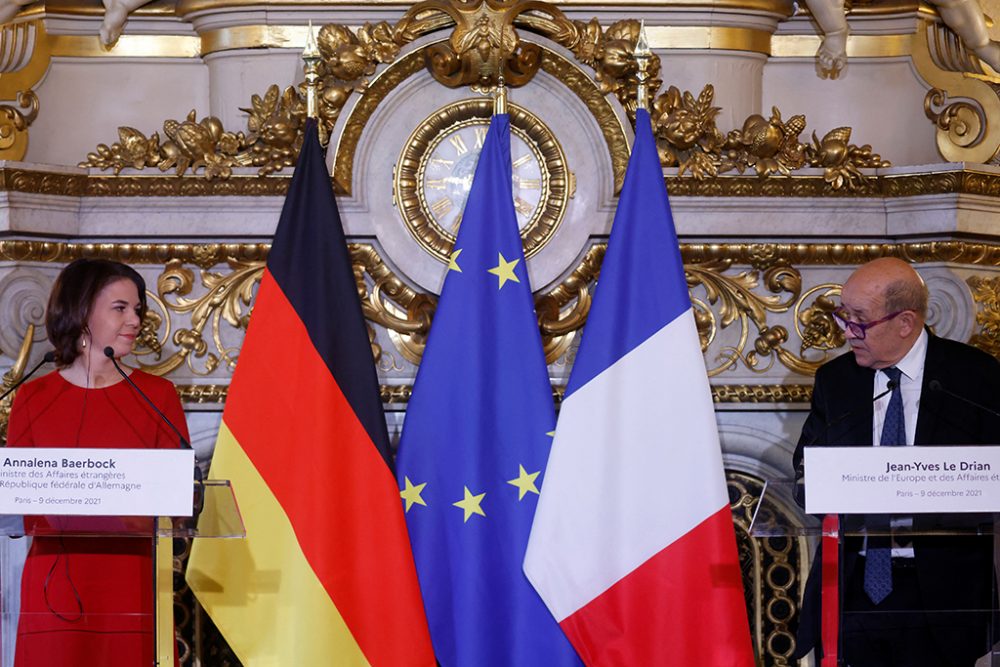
(325, 575)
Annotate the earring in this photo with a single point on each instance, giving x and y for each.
(83, 342)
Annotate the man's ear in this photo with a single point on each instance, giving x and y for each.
(908, 323)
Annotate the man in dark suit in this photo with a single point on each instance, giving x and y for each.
(944, 393)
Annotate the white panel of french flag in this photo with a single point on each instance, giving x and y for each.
(632, 547)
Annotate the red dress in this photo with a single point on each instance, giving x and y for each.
(89, 601)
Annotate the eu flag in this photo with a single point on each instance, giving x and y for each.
(476, 439)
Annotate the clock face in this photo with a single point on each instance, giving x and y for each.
(435, 171)
(446, 176)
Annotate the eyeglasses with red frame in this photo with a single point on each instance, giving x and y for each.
(859, 329)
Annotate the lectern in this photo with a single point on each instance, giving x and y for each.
(214, 514)
(838, 538)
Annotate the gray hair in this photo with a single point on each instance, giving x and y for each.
(906, 295)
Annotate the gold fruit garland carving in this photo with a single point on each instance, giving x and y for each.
(272, 141)
(484, 45)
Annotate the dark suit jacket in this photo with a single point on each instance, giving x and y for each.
(841, 414)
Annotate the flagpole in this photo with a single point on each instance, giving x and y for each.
(310, 55)
(500, 98)
(642, 56)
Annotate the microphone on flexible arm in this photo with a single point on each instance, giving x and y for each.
(935, 385)
(49, 357)
(109, 352)
(800, 493)
(850, 413)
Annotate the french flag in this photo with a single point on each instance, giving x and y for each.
(632, 546)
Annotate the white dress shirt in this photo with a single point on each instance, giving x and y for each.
(910, 383)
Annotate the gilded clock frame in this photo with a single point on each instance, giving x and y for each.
(557, 181)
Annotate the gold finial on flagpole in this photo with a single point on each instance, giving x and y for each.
(500, 98)
(642, 56)
(310, 55)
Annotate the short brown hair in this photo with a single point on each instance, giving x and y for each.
(72, 298)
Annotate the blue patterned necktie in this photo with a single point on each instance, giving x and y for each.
(878, 559)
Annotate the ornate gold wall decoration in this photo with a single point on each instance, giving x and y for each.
(199, 312)
(739, 303)
(203, 393)
(965, 132)
(814, 321)
(564, 70)
(611, 54)
(392, 76)
(482, 46)
(399, 394)
(769, 145)
(965, 180)
(204, 255)
(686, 128)
(961, 123)
(563, 311)
(275, 126)
(11, 377)
(612, 128)
(347, 58)
(227, 300)
(762, 393)
(986, 292)
(14, 125)
(272, 143)
(391, 303)
(689, 139)
(760, 256)
(25, 54)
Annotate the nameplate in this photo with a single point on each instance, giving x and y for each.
(96, 482)
(902, 480)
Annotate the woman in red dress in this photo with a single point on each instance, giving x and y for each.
(89, 600)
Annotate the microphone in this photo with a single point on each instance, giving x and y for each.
(110, 354)
(799, 492)
(833, 422)
(935, 385)
(199, 502)
(49, 357)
